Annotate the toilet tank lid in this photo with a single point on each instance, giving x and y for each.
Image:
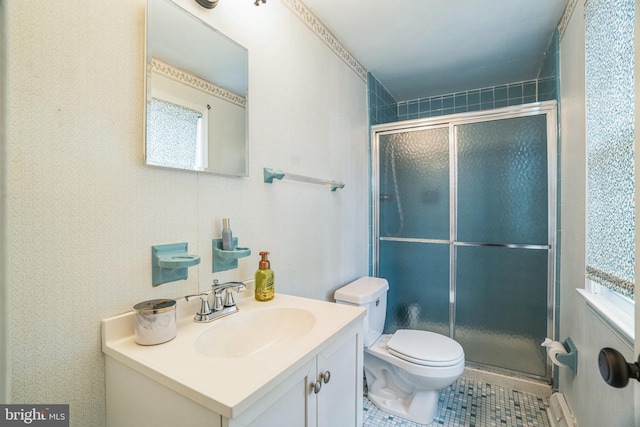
(362, 291)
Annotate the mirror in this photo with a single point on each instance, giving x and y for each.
(196, 94)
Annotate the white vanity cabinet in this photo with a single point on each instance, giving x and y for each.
(314, 382)
(339, 401)
(305, 399)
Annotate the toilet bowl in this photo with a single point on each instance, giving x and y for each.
(404, 370)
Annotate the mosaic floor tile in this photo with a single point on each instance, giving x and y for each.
(471, 403)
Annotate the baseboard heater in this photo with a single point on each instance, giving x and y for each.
(559, 413)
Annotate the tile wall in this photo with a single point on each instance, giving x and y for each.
(383, 108)
(479, 99)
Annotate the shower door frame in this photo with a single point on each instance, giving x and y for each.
(548, 108)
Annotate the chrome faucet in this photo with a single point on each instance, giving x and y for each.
(205, 312)
(228, 287)
(220, 308)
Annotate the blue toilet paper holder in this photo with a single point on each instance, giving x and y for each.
(570, 358)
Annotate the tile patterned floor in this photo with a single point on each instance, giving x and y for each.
(471, 403)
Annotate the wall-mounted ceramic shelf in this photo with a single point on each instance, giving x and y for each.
(171, 262)
(227, 260)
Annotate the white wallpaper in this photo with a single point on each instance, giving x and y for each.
(83, 210)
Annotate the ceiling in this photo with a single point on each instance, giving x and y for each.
(420, 48)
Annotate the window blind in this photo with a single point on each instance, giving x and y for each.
(609, 64)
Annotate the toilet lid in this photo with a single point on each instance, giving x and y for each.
(425, 348)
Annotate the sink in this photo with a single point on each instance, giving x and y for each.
(245, 334)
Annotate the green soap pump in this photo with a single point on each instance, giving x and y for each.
(264, 289)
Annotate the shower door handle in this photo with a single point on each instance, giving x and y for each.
(614, 368)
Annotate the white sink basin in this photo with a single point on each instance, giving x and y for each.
(245, 334)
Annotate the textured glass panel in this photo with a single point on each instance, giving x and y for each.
(502, 181)
(501, 307)
(414, 184)
(609, 59)
(418, 275)
(172, 135)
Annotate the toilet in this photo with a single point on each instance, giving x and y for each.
(404, 370)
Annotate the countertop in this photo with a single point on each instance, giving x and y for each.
(227, 386)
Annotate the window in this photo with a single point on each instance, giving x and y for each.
(177, 128)
(610, 137)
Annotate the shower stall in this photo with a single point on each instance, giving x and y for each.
(464, 230)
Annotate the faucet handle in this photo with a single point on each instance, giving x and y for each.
(217, 299)
(235, 286)
(229, 301)
(205, 308)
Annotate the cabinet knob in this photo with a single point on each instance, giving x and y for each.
(614, 368)
(316, 386)
(326, 377)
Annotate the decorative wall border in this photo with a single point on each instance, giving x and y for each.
(306, 16)
(566, 16)
(195, 82)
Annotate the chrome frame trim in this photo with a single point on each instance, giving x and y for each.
(415, 240)
(453, 226)
(549, 108)
(503, 245)
(507, 372)
(552, 176)
(375, 201)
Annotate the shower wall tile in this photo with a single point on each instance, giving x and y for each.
(462, 109)
(403, 109)
(447, 102)
(500, 93)
(425, 105)
(515, 94)
(383, 108)
(518, 93)
(473, 97)
(486, 96)
(529, 89)
(436, 103)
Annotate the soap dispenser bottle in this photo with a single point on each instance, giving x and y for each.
(264, 288)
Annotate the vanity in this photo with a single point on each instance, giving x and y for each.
(289, 362)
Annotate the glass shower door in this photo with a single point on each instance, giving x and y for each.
(414, 231)
(464, 231)
(502, 242)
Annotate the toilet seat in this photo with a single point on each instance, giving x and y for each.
(425, 348)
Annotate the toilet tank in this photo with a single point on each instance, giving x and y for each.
(370, 293)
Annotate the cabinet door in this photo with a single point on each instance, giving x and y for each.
(284, 406)
(134, 399)
(339, 401)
